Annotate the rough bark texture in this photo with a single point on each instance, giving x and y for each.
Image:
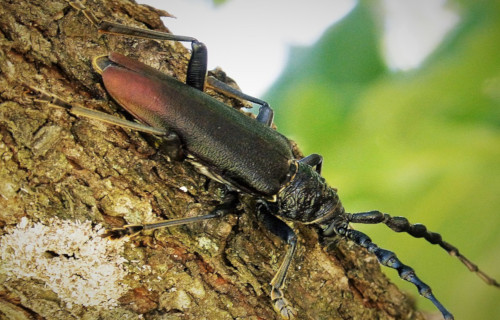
(56, 165)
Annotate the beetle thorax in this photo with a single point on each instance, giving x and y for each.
(307, 198)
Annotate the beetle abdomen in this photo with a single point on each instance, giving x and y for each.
(245, 153)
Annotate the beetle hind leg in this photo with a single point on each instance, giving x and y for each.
(172, 142)
(197, 67)
(52, 100)
(196, 75)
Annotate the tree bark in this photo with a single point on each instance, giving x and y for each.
(56, 165)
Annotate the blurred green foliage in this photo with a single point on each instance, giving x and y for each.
(219, 2)
(424, 144)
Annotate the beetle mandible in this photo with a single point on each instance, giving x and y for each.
(285, 188)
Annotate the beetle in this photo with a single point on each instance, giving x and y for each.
(215, 139)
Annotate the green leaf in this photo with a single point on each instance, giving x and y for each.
(424, 144)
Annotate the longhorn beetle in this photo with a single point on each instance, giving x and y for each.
(216, 140)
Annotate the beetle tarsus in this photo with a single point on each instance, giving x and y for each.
(282, 305)
(79, 6)
(285, 233)
(125, 231)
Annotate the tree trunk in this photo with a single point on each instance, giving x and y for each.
(56, 165)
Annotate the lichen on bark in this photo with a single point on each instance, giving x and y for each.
(55, 165)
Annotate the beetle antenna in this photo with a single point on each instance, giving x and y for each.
(389, 259)
(417, 230)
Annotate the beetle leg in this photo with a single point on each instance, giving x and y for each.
(55, 101)
(197, 67)
(266, 113)
(401, 224)
(132, 229)
(284, 232)
(389, 259)
(171, 139)
(104, 26)
(313, 160)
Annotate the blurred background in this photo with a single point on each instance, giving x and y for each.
(402, 99)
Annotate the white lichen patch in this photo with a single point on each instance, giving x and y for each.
(197, 289)
(207, 244)
(71, 258)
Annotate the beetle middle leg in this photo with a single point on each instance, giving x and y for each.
(266, 113)
(219, 211)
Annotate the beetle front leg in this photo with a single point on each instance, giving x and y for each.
(285, 233)
(313, 160)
